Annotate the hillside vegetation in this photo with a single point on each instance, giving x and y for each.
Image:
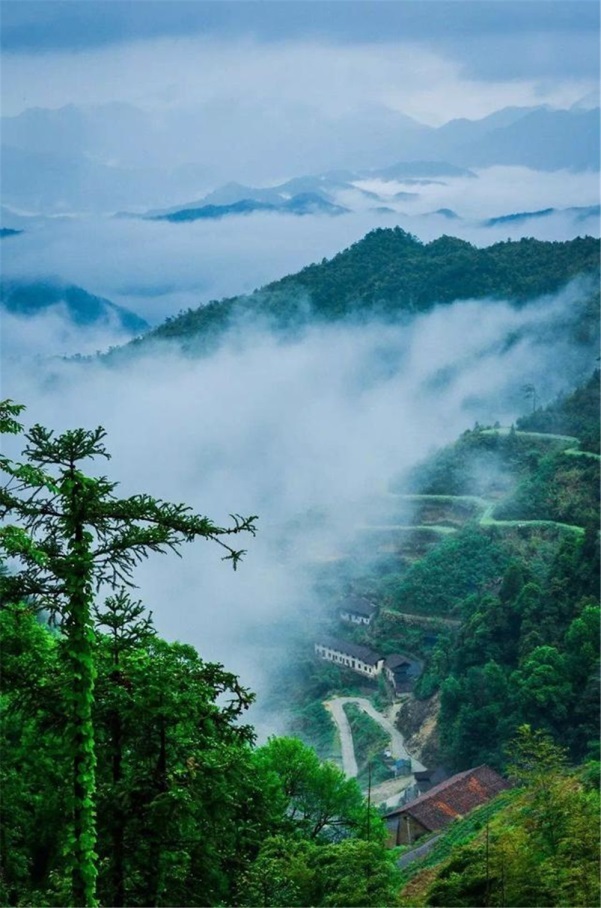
(503, 607)
(390, 273)
(537, 844)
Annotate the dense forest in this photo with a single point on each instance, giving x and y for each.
(128, 777)
(391, 274)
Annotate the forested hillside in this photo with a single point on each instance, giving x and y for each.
(389, 274)
(502, 605)
(537, 844)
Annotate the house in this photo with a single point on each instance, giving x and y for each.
(358, 658)
(400, 671)
(426, 779)
(357, 610)
(438, 807)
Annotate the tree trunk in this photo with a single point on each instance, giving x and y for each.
(80, 640)
(118, 868)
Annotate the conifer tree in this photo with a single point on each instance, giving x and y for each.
(71, 535)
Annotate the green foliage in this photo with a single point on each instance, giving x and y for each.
(524, 655)
(390, 273)
(320, 801)
(34, 778)
(438, 583)
(527, 649)
(576, 414)
(352, 873)
(540, 844)
(188, 813)
(369, 741)
(72, 535)
(563, 488)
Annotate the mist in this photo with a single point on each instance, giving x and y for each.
(158, 268)
(304, 434)
(53, 333)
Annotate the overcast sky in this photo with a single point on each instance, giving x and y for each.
(430, 59)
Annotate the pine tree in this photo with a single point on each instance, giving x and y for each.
(71, 535)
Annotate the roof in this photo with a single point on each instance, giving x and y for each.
(350, 649)
(431, 777)
(358, 606)
(395, 660)
(453, 798)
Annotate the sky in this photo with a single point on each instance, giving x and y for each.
(462, 29)
(415, 55)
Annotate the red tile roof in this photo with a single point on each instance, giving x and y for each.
(453, 798)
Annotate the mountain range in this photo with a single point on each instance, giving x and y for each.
(300, 204)
(112, 156)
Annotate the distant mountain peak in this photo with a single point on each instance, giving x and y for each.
(28, 298)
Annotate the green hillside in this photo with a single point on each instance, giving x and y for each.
(31, 298)
(537, 844)
(502, 606)
(390, 273)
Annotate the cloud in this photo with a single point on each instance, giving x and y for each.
(296, 78)
(492, 40)
(304, 434)
(53, 333)
(157, 268)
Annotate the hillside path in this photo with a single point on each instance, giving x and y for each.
(397, 744)
(485, 519)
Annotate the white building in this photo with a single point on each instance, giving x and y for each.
(359, 659)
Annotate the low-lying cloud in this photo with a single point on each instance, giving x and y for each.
(306, 434)
(26, 338)
(157, 268)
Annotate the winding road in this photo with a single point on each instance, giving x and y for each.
(335, 707)
(571, 447)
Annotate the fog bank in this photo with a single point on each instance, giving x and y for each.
(291, 431)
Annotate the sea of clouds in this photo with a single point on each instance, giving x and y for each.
(290, 429)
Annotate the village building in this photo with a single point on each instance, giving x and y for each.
(357, 610)
(425, 779)
(438, 807)
(358, 658)
(401, 671)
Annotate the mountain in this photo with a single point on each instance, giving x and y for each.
(412, 169)
(61, 182)
(391, 274)
(301, 204)
(518, 217)
(8, 231)
(321, 191)
(542, 139)
(580, 214)
(31, 298)
(111, 156)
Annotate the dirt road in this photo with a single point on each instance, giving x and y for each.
(349, 763)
